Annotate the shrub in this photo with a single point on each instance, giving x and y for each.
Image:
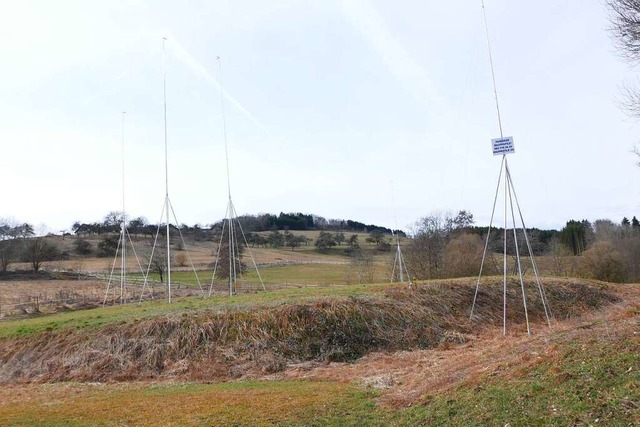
(182, 259)
(629, 249)
(82, 246)
(108, 246)
(325, 241)
(463, 255)
(603, 262)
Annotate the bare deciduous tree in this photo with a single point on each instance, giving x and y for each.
(158, 264)
(37, 251)
(625, 27)
(425, 253)
(560, 255)
(625, 20)
(8, 253)
(363, 265)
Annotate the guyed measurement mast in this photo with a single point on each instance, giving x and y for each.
(167, 207)
(121, 248)
(231, 222)
(399, 264)
(501, 147)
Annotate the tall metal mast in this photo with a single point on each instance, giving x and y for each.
(123, 225)
(231, 219)
(166, 165)
(505, 146)
(167, 208)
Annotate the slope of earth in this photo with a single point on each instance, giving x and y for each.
(227, 342)
(584, 370)
(581, 371)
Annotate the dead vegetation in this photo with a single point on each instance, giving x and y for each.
(221, 345)
(26, 294)
(406, 378)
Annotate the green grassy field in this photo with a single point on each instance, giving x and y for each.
(280, 275)
(592, 382)
(148, 309)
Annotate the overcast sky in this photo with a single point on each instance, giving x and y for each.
(327, 104)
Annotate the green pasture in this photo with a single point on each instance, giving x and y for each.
(292, 274)
(123, 313)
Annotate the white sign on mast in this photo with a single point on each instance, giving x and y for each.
(503, 146)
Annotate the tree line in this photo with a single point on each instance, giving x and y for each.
(300, 222)
(438, 245)
(250, 224)
(18, 243)
(443, 245)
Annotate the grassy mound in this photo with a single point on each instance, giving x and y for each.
(586, 384)
(583, 373)
(215, 345)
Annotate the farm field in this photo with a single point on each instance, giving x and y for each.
(63, 284)
(278, 276)
(201, 252)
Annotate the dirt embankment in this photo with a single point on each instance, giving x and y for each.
(405, 378)
(216, 345)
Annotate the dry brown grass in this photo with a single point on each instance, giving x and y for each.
(15, 292)
(409, 377)
(238, 344)
(25, 293)
(417, 378)
(201, 253)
